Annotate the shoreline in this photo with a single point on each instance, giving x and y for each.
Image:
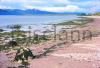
(76, 53)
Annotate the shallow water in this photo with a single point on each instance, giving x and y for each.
(35, 19)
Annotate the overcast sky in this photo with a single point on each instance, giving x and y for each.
(53, 5)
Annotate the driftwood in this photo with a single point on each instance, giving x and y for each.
(44, 54)
(48, 50)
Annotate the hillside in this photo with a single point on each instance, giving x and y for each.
(23, 12)
(32, 12)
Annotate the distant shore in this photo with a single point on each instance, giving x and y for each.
(91, 16)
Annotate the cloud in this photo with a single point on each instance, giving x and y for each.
(20, 0)
(68, 8)
(72, 8)
(2, 6)
(53, 5)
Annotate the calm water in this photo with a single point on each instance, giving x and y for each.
(36, 19)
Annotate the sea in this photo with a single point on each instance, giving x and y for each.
(36, 20)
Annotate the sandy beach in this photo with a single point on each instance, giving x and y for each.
(83, 54)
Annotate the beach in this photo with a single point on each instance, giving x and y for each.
(83, 54)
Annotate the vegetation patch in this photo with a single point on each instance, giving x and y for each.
(81, 21)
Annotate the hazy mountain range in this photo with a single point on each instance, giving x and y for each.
(30, 12)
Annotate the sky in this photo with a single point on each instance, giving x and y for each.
(53, 5)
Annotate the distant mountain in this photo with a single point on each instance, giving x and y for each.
(30, 12)
(35, 11)
(75, 13)
(23, 12)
